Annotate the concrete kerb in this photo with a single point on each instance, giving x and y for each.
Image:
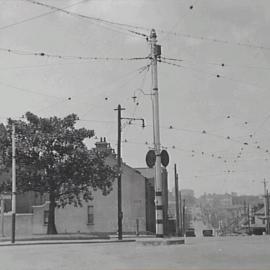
(63, 242)
(161, 241)
(45, 237)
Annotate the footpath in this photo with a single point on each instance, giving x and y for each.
(87, 239)
(60, 239)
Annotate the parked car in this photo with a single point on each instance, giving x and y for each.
(208, 232)
(190, 232)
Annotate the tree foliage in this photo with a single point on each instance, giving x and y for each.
(52, 158)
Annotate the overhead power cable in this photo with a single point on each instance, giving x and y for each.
(217, 75)
(71, 57)
(30, 90)
(191, 68)
(123, 26)
(215, 40)
(38, 16)
(221, 64)
(129, 27)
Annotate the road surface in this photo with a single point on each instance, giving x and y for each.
(226, 253)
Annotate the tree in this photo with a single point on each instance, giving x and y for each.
(52, 158)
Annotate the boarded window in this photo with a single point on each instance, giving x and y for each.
(90, 214)
(46, 217)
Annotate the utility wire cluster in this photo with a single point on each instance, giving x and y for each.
(215, 75)
(215, 40)
(167, 60)
(134, 29)
(121, 26)
(71, 57)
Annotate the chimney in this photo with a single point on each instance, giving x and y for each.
(103, 146)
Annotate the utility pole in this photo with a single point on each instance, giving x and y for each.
(266, 206)
(13, 206)
(119, 186)
(248, 219)
(155, 55)
(184, 217)
(119, 162)
(267, 213)
(181, 216)
(177, 231)
(2, 215)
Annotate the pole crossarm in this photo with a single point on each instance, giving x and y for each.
(134, 119)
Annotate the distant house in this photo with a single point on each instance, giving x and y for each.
(216, 200)
(254, 222)
(149, 175)
(24, 201)
(101, 214)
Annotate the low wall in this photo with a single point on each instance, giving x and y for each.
(24, 224)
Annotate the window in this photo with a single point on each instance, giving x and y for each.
(90, 214)
(46, 217)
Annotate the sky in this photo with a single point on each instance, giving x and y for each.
(215, 128)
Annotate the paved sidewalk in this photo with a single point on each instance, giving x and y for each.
(63, 242)
(87, 239)
(61, 239)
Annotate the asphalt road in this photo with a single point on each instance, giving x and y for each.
(241, 252)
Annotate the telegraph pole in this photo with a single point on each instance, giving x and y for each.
(155, 54)
(267, 213)
(2, 215)
(119, 162)
(184, 217)
(119, 190)
(13, 206)
(177, 231)
(266, 206)
(181, 216)
(248, 216)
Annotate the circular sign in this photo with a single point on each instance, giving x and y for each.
(150, 158)
(164, 158)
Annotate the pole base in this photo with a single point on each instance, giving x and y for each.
(13, 228)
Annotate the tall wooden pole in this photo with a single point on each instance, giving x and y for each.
(177, 229)
(13, 204)
(2, 215)
(119, 184)
(267, 213)
(181, 213)
(184, 217)
(155, 54)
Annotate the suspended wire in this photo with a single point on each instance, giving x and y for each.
(243, 143)
(55, 64)
(191, 68)
(180, 20)
(221, 64)
(217, 75)
(215, 40)
(171, 59)
(130, 76)
(122, 26)
(71, 57)
(62, 99)
(135, 100)
(39, 16)
(127, 27)
(53, 105)
(29, 90)
(96, 120)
